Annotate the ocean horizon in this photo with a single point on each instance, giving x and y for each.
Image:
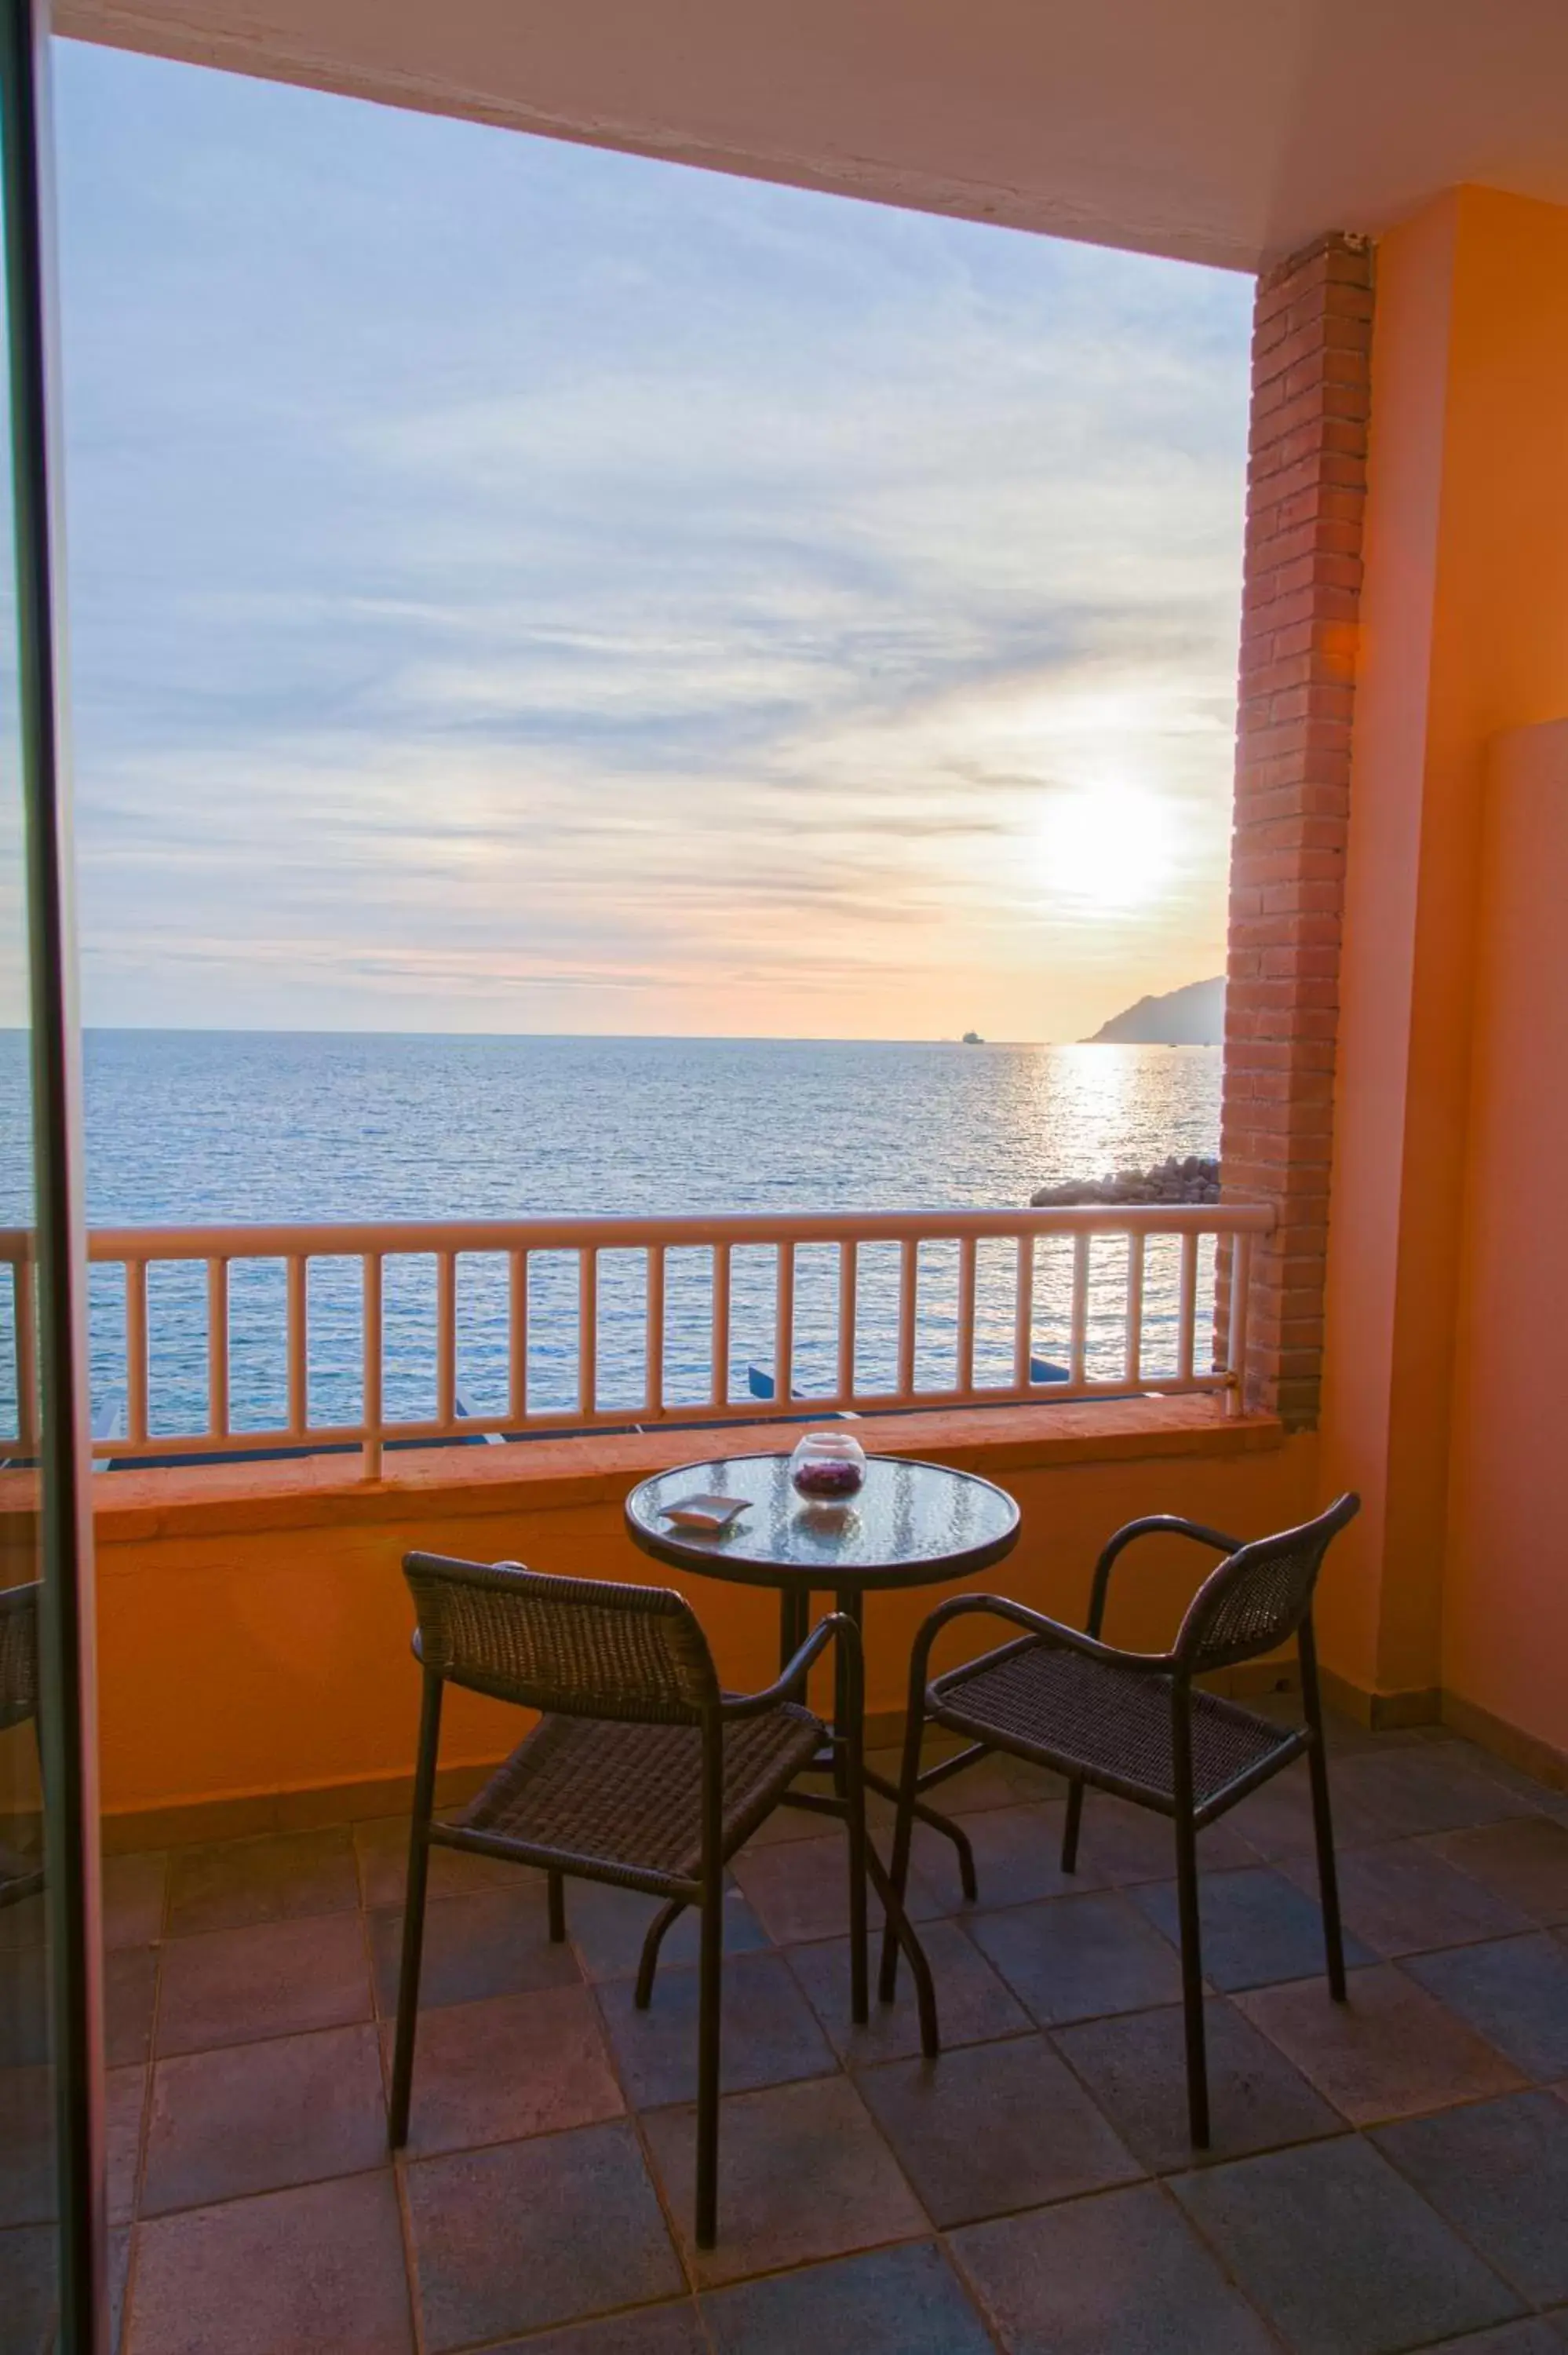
(217, 1127)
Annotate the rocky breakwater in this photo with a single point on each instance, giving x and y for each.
(1172, 1180)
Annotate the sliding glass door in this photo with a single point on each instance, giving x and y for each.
(53, 2246)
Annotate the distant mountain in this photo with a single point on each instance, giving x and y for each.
(1193, 1017)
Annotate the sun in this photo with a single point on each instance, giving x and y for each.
(1110, 846)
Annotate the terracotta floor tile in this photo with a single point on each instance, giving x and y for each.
(255, 2117)
(1277, 1819)
(119, 2280)
(1400, 1897)
(135, 1891)
(24, 2007)
(804, 2175)
(279, 1978)
(495, 1942)
(973, 2005)
(1258, 1927)
(672, 2329)
(1340, 2253)
(1391, 2052)
(517, 2093)
(995, 2127)
(1079, 1957)
(311, 2272)
(508, 2067)
(994, 1782)
(1525, 1861)
(607, 1927)
(769, 2033)
(1123, 2271)
(1016, 1852)
(1124, 1844)
(1541, 2335)
(1343, 1736)
(381, 1853)
(905, 2301)
(22, 1924)
(1431, 1787)
(803, 1823)
(27, 2190)
(1027, 1780)
(130, 1982)
(276, 1879)
(28, 2257)
(1514, 1991)
(1499, 2172)
(801, 1891)
(1135, 2066)
(527, 2235)
(125, 2092)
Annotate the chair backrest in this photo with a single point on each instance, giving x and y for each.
(1259, 1595)
(18, 1654)
(574, 1647)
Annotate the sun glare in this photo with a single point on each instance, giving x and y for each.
(1108, 846)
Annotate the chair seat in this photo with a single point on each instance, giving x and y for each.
(626, 1799)
(1110, 1724)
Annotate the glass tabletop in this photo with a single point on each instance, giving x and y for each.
(910, 1524)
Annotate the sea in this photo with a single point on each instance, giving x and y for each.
(199, 1127)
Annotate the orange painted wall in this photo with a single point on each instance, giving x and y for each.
(1465, 632)
(258, 1645)
(1505, 1634)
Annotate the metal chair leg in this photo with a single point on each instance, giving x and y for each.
(902, 1834)
(1322, 1815)
(414, 1911)
(649, 1963)
(1073, 1825)
(557, 1908)
(1192, 1979)
(1182, 1792)
(1328, 1875)
(710, 1983)
(854, 1801)
(709, 2000)
(900, 1930)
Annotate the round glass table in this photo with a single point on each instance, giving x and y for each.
(912, 1524)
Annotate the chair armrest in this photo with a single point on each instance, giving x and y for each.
(837, 1627)
(999, 1606)
(1169, 1525)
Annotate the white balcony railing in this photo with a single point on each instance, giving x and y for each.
(242, 1340)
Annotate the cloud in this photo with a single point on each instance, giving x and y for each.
(515, 584)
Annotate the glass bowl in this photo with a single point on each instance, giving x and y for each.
(828, 1466)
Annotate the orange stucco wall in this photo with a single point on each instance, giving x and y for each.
(257, 1642)
(1465, 632)
(1505, 1624)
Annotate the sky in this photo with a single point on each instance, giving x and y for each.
(518, 587)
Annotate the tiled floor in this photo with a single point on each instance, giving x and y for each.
(1389, 2176)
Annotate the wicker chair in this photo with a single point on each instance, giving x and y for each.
(1137, 1724)
(640, 1772)
(19, 1876)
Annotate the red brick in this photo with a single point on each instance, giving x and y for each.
(1306, 499)
(1320, 536)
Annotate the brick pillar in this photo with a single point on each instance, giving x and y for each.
(1306, 490)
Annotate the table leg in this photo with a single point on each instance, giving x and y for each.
(850, 1728)
(794, 1612)
(851, 1603)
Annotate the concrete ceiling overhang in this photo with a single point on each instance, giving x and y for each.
(1220, 130)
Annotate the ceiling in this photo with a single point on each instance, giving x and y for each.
(1220, 130)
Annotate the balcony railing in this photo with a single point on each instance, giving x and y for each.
(226, 1342)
